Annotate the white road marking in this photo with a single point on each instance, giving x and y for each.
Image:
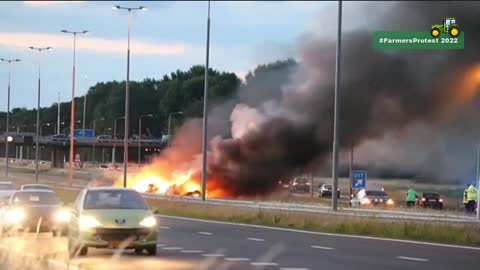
(191, 251)
(164, 228)
(237, 259)
(320, 247)
(263, 264)
(412, 259)
(256, 239)
(323, 234)
(172, 248)
(205, 233)
(213, 255)
(160, 245)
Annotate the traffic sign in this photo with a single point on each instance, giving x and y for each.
(359, 179)
(89, 133)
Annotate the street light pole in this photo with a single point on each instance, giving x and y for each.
(38, 106)
(58, 114)
(140, 134)
(169, 132)
(335, 119)
(93, 147)
(72, 111)
(115, 138)
(84, 108)
(478, 181)
(205, 120)
(8, 111)
(127, 94)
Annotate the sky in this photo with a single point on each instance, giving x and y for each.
(166, 37)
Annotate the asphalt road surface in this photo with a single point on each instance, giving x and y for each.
(195, 244)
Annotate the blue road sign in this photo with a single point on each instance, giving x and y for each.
(359, 179)
(89, 133)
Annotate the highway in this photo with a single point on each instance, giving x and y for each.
(196, 244)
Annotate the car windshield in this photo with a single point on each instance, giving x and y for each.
(6, 186)
(328, 186)
(114, 199)
(36, 188)
(47, 198)
(376, 193)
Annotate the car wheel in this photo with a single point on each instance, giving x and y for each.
(152, 250)
(138, 251)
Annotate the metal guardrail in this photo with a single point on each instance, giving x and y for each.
(304, 208)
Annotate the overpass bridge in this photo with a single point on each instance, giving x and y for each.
(93, 150)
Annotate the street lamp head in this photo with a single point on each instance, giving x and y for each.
(31, 48)
(48, 48)
(17, 60)
(149, 115)
(85, 32)
(143, 8)
(64, 31)
(180, 112)
(116, 7)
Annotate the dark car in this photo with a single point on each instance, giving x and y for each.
(431, 200)
(325, 190)
(300, 185)
(35, 210)
(372, 198)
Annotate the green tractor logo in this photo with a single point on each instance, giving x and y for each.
(449, 26)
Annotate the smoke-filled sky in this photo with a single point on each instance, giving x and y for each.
(411, 111)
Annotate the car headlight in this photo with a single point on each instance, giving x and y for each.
(390, 202)
(63, 216)
(88, 222)
(148, 222)
(441, 200)
(366, 201)
(14, 216)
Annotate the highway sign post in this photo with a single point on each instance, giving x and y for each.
(359, 179)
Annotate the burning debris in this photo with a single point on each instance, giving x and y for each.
(382, 92)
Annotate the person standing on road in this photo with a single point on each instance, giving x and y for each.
(465, 199)
(411, 197)
(472, 198)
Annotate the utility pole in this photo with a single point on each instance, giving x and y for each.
(335, 119)
(205, 116)
(7, 136)
(478, 181)
(58, 114)
(351, 176)
(84, 108)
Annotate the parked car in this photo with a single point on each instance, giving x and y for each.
(431, 200)
(325, 190)
(300, 184)
(372, 198)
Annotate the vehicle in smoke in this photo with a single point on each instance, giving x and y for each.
(448, 26)
(116, 218)
(300, 184)
(325, 190)
(34, 211)
(371, 197)
(431, 200)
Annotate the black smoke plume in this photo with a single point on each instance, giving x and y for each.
(382, 93)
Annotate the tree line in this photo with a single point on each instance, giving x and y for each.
(178, 91)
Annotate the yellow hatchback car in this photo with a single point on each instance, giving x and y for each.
(116, 218)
